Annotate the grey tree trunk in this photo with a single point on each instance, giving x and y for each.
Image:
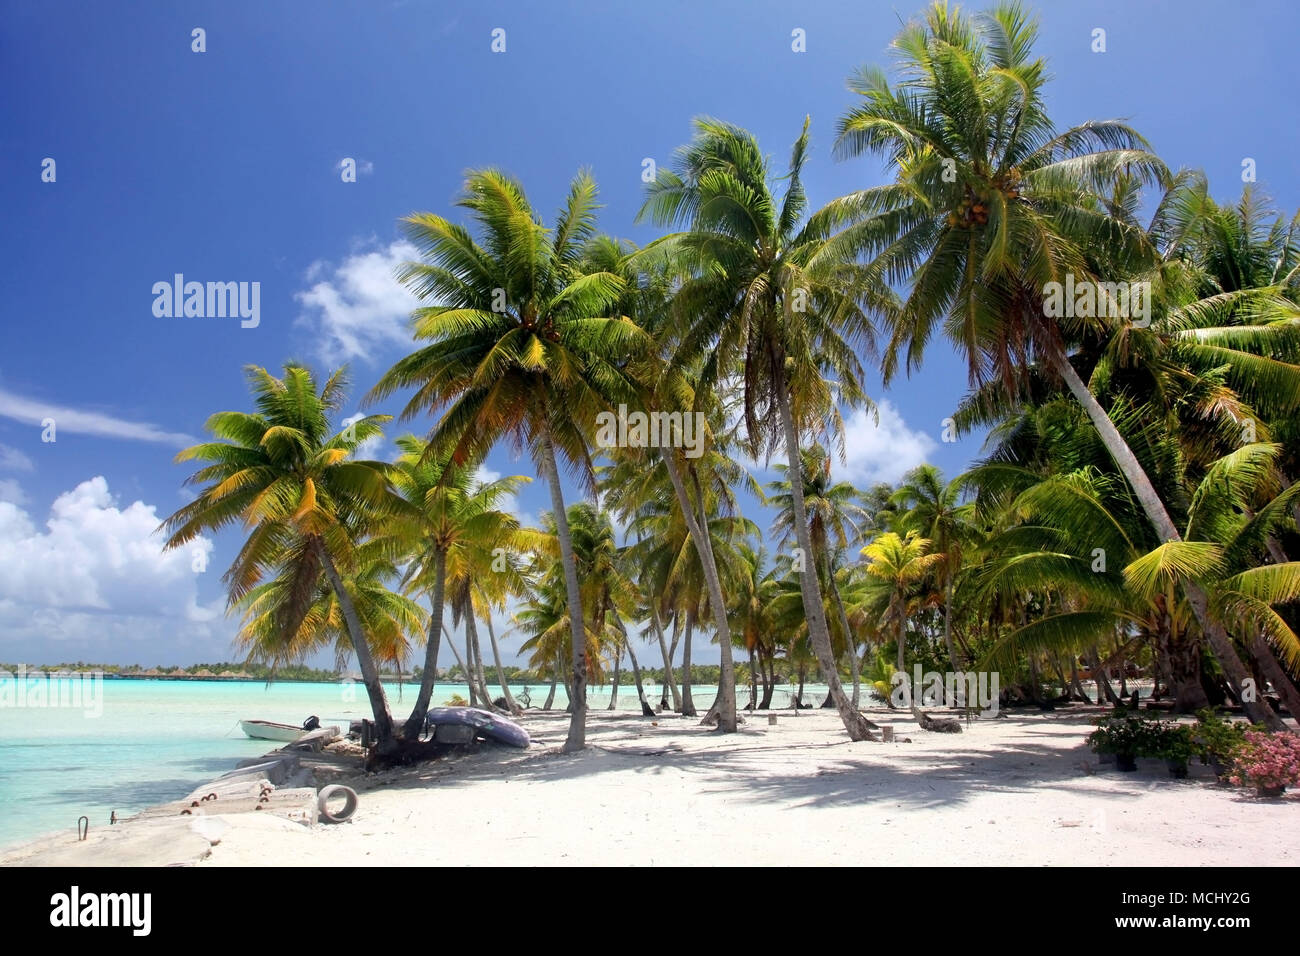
(1154, 508)
(550, 696)
(1104, 691)
(849, 649)
(947, 623)
(646, 709)
(365, 660)
(471, 636)
(725, 705)
(511, 705)
(1272, 669)
(415, 723)
(618, 666)
(688, 701)
(460, 663)
(858, 727)
(670, 680)
(577, 737)
(753, 681)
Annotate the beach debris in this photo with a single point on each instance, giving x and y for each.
(937, 725)
(349, 803)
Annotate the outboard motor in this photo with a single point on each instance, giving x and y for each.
(311, 723)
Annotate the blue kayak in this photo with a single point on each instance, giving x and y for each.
(486, 724)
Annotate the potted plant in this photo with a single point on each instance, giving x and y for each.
(1127, 736)
(1176, 747)
(1217, 740)
(1269, 762)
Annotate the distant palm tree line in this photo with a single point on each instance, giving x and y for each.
(1136, 502)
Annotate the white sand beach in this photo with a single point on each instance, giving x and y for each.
(1022, 790)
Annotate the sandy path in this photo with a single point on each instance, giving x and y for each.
(1021, 790)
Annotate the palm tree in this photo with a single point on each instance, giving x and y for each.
(989, 208)
(650, 283)
(607, 593)
(306, 502)
(771, 304)
(835, 520)
(1065, 519)
(901, 563)
(523, 343)
(931, 508)
(388, 617)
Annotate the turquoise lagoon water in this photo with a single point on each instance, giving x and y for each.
(156, 740)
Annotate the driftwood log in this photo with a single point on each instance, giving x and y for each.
(938, 725)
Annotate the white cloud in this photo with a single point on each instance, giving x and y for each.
(882, 451)
(11, 459)
(12, 492)
(79, 422)
(359, 306)
(96, 583)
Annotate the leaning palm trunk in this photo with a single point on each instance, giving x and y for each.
(670, 680)
(848, 637)
(1271, 668)
(415, 722)
(459, 662)
(818, 633)
(577, 738)
(471, 638)
(365, 660)
(688, 701)
(511, 705)
(476, 696)
(618, 675)
(646, 709)
(555, 678)
(725, 704)
(1220, 644)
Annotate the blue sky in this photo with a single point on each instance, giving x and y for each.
(224, 166)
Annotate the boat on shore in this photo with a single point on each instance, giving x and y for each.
(269, 730)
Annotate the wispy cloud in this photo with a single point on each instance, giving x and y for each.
(11, 459)
(81, 422)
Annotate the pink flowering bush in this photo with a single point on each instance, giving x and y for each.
(1267, 760)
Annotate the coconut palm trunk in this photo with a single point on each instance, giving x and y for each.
(849, 650)
(947, 621)
(550, 694)
(688, 701)
(415, 723)
(725, 704)
(459, 662)
(476, 697)
(618, 675)
(818, 633)
(511, 705)
(365, 660)
(670, 679)
(646, 709)
(1220, 644)
(577, 737)
(471, 635)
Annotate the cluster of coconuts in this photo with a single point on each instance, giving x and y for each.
(974, 209)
